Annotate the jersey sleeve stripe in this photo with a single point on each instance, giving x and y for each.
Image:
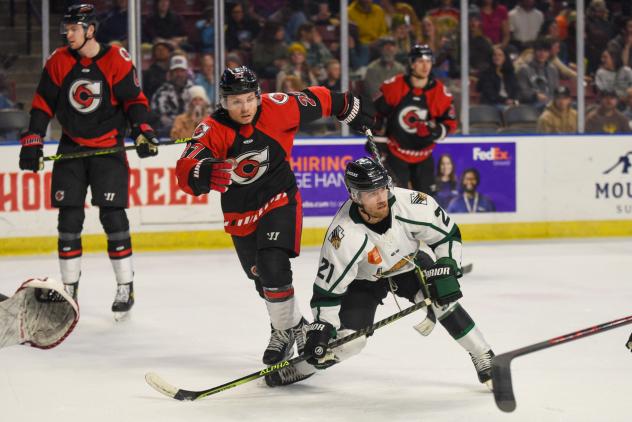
(419, 223)
(324, 98)
(452, 236)
(40, 103)
(344, 273)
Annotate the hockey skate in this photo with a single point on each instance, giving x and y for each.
(72, 289)
(281, 346)
(483, 365)
(290, 374)
(123, 301)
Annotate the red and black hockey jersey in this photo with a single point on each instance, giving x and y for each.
(405, 108)
(89, 96)
(262, 176)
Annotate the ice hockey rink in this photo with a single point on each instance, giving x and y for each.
(199, 323)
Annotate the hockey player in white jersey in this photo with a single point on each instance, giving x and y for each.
(373, 247)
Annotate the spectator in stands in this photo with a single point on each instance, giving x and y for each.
(317, 53)
(566, 71)
(156, 74)
(292, 15)
(551, 31)
(206, 30)
(297, 67)
(480, 46)
(445, 18)
(606, 118)
(383, 68)
(598, 32)
(292, 83)
(206, 76)
(524, 23)
(198, 107)
(470, 200)
(241, 30)
(445, 188)
(495, 22)
(371, 22)
(538, 79)
(163, 23)
(113, 24)
(429, 34)
(612, 75)
(332, 82)
(446, 23)
(323, 15)
(269, 54)
(402, 11)
(623, 42)
(498, 85)
(168, 101)
(627, 112)
(558, 116)
(261, 10)
(404, 37)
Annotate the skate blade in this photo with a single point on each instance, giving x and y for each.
(121, 316)
(490, 385)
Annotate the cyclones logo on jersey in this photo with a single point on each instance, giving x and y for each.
(250, 166)
(410, 117)
(85, 95)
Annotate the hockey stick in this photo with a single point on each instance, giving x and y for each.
(105, 151)
(501, 371)
(169, 390)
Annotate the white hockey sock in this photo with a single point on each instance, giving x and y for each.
(70, 270)
(284, 315)
(474, 342)
(123, 270)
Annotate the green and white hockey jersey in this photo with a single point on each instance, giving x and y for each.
(351, 251)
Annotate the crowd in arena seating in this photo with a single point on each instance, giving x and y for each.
(522, 54)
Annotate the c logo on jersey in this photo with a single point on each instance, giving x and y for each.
(123, 52)
(85, 95)
(410, 117)
(200, 130)
(250, 166)
(278, 98)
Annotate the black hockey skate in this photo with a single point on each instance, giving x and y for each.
(300, 335)
(483, 365)
(123, 301)
(281, 346)
(290, 374)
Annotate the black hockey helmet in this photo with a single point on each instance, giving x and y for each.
(239, 80)
(420, 50)
(83, 14)
(365, 174)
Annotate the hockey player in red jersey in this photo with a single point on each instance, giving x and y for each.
(418, 111)
(94, 91)
(253, 134)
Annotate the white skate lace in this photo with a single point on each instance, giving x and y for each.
(280, 339)
(122, 293)
(482, 362)
(299, 336)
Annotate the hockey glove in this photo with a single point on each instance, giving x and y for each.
(629, 343)
(145, 140)
(318, 334)
(442, 283)
(431, 130)
(209, 175)
(31, 152)
(358, 113)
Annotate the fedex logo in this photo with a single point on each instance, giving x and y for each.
(492, 154)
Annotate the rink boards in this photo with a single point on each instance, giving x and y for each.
(549, 186)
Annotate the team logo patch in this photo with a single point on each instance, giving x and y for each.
(85, 95)
(411, 117)
(250, 166)
(398, 266)
(418, 198)
(336, 237)
(59, 195)
(123, 52)
(200, 130)
(374, 256)
(279, 97)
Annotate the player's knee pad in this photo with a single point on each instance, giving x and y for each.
(454, 319)
(113, 220)
(351, 348)
(70, 220)
(273, 267)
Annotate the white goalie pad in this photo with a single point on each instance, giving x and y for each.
(40, 314)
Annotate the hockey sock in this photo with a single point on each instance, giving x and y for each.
(461, 327)
(120, 252)
(69, 250)
(282, 307)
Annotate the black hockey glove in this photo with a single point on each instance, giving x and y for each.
(431, 130)
(318, 334)
(359, 113)
(31, 152)
(442, 283)
(145, 140)
(629, 343)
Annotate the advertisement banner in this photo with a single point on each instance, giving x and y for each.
(476, 177)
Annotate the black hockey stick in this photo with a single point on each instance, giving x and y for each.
(105, 151)
(169, 390)
(501, 371)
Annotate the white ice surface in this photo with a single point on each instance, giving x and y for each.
(199, 323)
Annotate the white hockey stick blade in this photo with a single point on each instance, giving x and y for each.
(160, 385)
(467, 268)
